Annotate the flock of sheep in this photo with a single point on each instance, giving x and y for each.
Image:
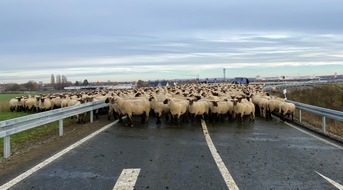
(212, 102)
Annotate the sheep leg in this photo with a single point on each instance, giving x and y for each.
(96, 113)
(193, 118)
(206, 116)
(158, 117)
(167, 116)
(282, 116)
(120, 118)
(143, 118)
(147, 118)
(129, 118)
(252, 117)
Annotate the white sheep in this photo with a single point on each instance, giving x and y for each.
(273, 106)
(243, 107)
(44, 104)
(198, 108)
(221, 108)
(286, 109)
(130, 107)
(113, 109)
(56, 102)
(159, 108)
(261, 101)
(178, 107)
(15, 104)
(31, 104)
(80, 118)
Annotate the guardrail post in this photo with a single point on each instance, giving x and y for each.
(60, 127)
(91, 116)
(324, 124)
(299, 113)
(7, 146)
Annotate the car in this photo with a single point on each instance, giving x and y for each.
(240, 80)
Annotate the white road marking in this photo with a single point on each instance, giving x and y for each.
(52, 158)
(220, 164)
(317, 137)
(127, 179)
(339, 186)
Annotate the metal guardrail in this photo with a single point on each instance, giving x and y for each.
(16, 125)
(289, 84)
(323, 112)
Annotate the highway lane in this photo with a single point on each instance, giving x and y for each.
(272, 155)
(260, 155)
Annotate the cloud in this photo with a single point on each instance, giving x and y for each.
(130, 40)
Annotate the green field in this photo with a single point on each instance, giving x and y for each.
(5, 112)
(24, 136)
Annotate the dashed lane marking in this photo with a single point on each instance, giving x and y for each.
(339, 186)
(220, 164)
(127, 179)
(53, 158)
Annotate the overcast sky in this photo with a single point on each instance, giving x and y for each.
(127, 40)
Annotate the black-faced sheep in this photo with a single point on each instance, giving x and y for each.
(15, 104)
(243, 107)
(31, 104)
(44, 104)
(198, 108)
(159, 108)
(178, 107)
(221, 108)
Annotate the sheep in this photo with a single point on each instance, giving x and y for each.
(65, 101)
(220, 108)
(159, 108)
(261, 102)
(56, 102)
(15, 104)
(273, 106)
(44, 104)
(113, 109)
(130, 107)
(178, 107)
(286, 108)
(31, 104)
(80, 118)
(243, 107)
(198, 107)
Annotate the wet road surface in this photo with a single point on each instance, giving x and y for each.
(259, 155)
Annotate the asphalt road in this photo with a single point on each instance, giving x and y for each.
(259, 155)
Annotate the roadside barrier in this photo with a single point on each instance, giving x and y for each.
(16, 125)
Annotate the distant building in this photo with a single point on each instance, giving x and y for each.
(159, 83)
(104, 87)
(2, 87)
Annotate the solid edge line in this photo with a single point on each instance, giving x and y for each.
(339, 186)
(220, 164)
(127, 179)
(53, 158)
(315, 136)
